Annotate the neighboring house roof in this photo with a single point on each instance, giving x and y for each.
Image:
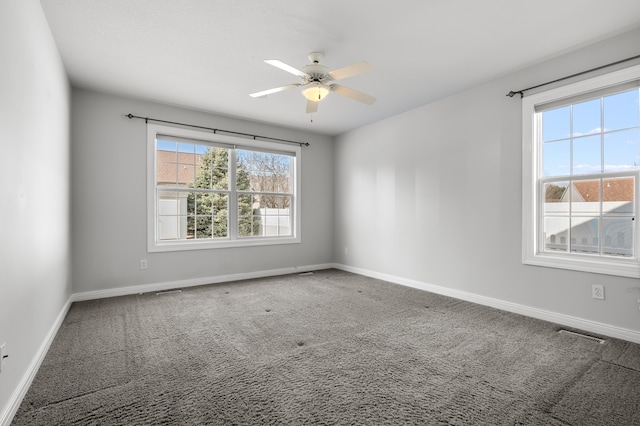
(616, 189)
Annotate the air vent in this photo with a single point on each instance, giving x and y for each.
(305, 273)
(583, 336)
(168, 292)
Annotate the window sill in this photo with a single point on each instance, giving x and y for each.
(623, 267)
(167, 246)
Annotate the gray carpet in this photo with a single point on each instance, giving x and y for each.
(327, 348)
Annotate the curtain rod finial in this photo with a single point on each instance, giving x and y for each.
(511, 94)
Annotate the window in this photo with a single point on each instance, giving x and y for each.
(581, 162)
(209, 190)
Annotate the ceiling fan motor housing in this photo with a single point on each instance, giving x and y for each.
(316, 72)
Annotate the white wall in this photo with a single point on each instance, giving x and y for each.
(434, 196)
(109, 186)
(34, 188)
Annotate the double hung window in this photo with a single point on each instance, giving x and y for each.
(209, 190)
(581, 162)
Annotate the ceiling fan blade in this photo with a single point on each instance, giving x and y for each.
(351, 70)
(353, 94)
(312, 107)
(288, 68)
(274, 90)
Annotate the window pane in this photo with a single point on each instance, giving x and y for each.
(618, 237)
(587, 155)
(275, 215)
(221, 221)
(168, 228)
(622, 150)
(621, 110)
(162, 145)
(200, 150)
(276, 225)
(245, 215)
(246, 203)
(203, 177)
(186, 153)
(191, 227)
(618, 196)
(263, 172)
(187, 147)
(204, 227)
(191, 203)
(556, 198)
(556, 158)
(584, 234)
(249, 226)
(585, 197)
(220, 177)
(168, 202)
(167, 174)
(244, 226)
(203, 204)
(243, 169)
(212, 170)
(586, 118)
(556, 124)
(221, 215)
(556, 233)
(186, 174)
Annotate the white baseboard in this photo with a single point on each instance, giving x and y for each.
(18, 395)
(562, 319)
(170, 285)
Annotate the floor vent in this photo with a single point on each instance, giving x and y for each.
(584, 336)
(168, 292)
(305, 273)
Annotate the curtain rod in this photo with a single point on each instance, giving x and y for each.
(512, 93)
(214, 130)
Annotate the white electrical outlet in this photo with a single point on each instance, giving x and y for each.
(346, 250)
(3, 356)
(143, 263)
(597, 291)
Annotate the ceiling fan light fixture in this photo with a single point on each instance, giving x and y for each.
(315, 92)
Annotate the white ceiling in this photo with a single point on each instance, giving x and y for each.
(208, 54)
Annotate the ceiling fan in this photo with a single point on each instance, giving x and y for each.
(317, 81)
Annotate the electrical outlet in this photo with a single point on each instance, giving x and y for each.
(597, 291)
(3, 356)
(143, 263)
(346, 250)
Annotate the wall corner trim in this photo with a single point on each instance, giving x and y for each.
(18, 395)
(554, 317)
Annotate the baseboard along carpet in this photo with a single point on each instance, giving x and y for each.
(325, 348)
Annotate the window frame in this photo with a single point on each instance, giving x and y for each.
(231, 143)
(532, 205)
